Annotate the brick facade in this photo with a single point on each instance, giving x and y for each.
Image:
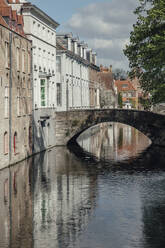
(16, 97)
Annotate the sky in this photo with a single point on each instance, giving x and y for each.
(105, 25)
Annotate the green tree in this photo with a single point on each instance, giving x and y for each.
(120, 100)
(146, 51)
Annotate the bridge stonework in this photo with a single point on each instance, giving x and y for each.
(69, 125)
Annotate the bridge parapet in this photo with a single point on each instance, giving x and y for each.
(69, 125)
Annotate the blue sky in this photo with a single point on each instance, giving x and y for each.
(62, 10)
(105, 25)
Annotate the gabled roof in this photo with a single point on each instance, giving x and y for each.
(2, 22)
(124, 85)
(10, 19)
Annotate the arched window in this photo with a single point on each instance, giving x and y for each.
(15, 143)
(25, 136)
(30, 138)
(6, 143)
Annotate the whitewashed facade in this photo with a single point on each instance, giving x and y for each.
(41, 30)
(73, 75)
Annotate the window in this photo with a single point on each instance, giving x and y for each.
(29, 62)
(7, 54)
(30, 137)
(25, 137)
(125, 86)
(6, 143)
(43, 92)
(58, 64)
(6, 102)
(23, 60)
(59, 94)
(18, 102)
(15, 143)
(18, 58)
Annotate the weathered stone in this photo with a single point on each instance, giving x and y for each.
(149, 123)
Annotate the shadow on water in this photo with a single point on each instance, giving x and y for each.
(153, 158)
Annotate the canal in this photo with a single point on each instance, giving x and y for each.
(106, 191)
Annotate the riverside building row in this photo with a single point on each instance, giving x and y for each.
(41, 72)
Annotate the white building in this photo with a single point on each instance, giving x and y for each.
(73, 73)
(41, 30)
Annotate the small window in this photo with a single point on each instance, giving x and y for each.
(18, 102)
(25, 136)
(125, 86)
(23, 61)
(6, 143)
(43, 92)
(18, 58)
(59, 94)
(15, 143)
(7, 54)
(6, 102)
(58, 64)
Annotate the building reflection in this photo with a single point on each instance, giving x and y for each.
(64, 198)
(5, 210)
(113, 141)
(46, 201)
(21, 205)
(16, 206)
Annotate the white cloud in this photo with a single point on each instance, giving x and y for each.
(106, 28)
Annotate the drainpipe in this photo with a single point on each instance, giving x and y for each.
(32, 87)
(81, 83)
(72, 85)
(67, 95)
(10, 97)
(10, 133)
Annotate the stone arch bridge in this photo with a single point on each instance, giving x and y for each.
(70, 124)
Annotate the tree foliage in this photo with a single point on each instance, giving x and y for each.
(146, 51)
(120, 100)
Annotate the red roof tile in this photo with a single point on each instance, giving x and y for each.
(124, 85)
(2, 22)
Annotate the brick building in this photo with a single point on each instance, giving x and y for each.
(16, 88)
(108, 96)
(128, 93)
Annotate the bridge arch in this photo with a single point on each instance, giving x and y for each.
(72, 123)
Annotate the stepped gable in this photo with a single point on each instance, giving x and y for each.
(9, 18)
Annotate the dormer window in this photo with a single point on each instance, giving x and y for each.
(125, 86)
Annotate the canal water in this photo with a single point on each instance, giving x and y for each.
(106, 191)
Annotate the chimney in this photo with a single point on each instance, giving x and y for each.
(69, 41)
(75, 45)
(85, 51)
(89, 55)
(80, 48)
(94, 58)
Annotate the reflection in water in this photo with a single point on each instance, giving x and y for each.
(113, 141)
(64, 197)
(56, 200)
